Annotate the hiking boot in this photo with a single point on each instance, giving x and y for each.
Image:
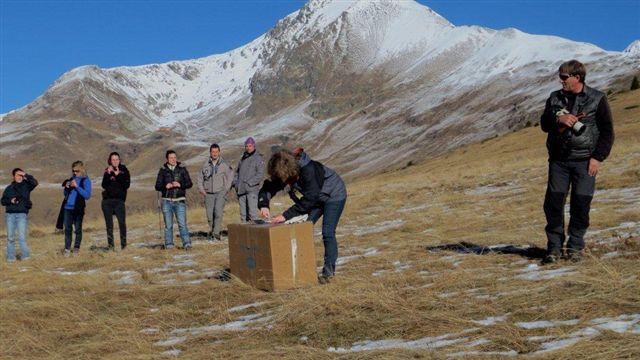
(550, 259)
(324, 279)
(574, 256)
(66, 252)
(209, 236)
(75, 251)
(217, 237)
(187, 248)
(122, 247)
(168, 247)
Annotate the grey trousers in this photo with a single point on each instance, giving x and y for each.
(214, 205)
(562, 176)
(248, 206)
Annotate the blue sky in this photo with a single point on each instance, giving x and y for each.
(40, 40)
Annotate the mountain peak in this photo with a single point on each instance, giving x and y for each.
(330, 10)
(633, 48)
(79, 73)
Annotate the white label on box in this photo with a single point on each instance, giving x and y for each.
(294, 256)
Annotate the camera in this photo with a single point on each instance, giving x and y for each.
(578, 128)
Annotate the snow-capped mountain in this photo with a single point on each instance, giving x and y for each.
(633, 48)
(364, 85)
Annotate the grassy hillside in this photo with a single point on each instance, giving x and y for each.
(392, 297)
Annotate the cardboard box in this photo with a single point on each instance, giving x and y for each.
(273, 257)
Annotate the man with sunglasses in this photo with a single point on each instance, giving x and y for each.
(579, 125)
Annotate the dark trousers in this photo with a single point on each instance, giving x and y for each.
(562, 175)
(115, 207)
(331, 212)
(75, 220)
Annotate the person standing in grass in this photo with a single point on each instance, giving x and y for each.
(579, 125)
(323, 193)
(247, 180)
(77, 190)
(172, 181)
(214, 181)
(17, 200)
(115, 182)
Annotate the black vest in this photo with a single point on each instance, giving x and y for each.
(568, 145)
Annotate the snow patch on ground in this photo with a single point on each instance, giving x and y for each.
(491, 320)
(398, 267)
(367, 252)
(126, 277)
(620, 232)
(424, 343)
(63, 272)
(243, 323)
(182, 262)
(630, 195)
(465, 354)
(171, 341)
(532, 272)
(247, 306)
(174, 352)
(621, 325)
(543, 324)
(380, 227)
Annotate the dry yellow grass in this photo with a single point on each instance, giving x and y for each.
(133, 304)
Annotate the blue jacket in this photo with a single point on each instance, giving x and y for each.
(84, 189)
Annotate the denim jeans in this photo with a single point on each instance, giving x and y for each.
(16, 227)
(179, 208)
(75, 220)
(331, 211)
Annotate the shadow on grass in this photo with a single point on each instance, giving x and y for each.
(529, 252)
(204, 234)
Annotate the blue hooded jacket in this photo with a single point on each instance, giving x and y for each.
(83, 189)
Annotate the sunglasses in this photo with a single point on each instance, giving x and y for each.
(564, 77)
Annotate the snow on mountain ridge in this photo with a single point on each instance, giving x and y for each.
(171, 92)
(633, 48)
(403, 36)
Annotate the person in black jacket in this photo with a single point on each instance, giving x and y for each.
(115, 182)
(173, 180)
(323, 193)
(579, 125)
(17, 200)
